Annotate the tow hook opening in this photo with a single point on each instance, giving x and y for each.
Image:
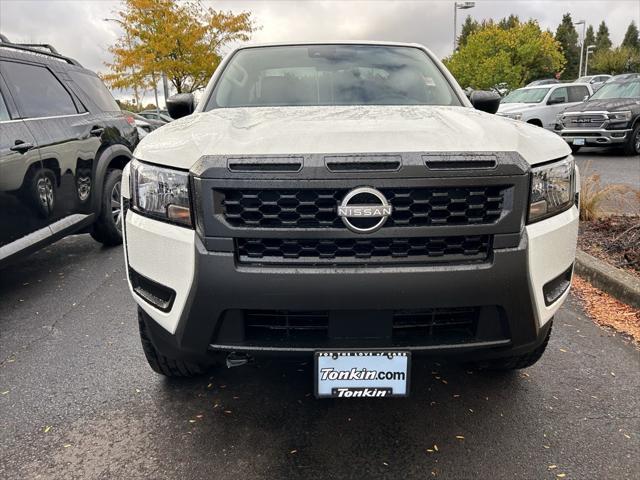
(238, 359)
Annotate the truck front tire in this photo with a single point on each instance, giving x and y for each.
(633, 145)
(519, 361)
(162, 364)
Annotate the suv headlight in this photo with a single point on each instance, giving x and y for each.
(552, 189)
(513, 116)
(161, 193)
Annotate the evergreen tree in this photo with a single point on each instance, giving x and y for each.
(632, 37)
(468, 27)
(509, 22)
(603, 42)
(567, 36)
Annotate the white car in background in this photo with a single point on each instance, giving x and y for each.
(596, 81)
(540, 105)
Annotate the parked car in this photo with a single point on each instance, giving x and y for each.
(540, 105)
(611, 117)
(596, 81)
(147, 125)
(624, 76)
(63, 145)
(153, 115)
(543, 81)
(345, 202)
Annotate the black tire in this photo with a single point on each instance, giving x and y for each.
(108, 227)
(632, 147)
(517, 362)
(162, 364)
(575, 148)
(39, 191)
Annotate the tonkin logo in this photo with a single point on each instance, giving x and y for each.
(364, 210)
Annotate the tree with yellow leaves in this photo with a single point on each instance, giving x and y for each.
(179, 39)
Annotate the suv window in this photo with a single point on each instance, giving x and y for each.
(37, 91)
(559, 93)
(93, 87)
(577, 93)
(4, 113)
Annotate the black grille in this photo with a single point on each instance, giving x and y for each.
(313, 208)
(358, 250)
(410, 326)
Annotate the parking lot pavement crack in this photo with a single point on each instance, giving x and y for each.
(50, 328)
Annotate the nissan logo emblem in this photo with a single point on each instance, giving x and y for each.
(364, 210)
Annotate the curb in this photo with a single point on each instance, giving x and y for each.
(614, 281)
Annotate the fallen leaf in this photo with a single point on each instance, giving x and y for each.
(210, 385)
(5, 392)
(563, 350)
(456, 396)
(198, 416)
(561, 475)
(47, 428)
(613, 374)
(227, 412)
(551, 467)
(66, 445)
(459, 437)
(626, 435)
(293, 451)
(385, 464)
(192, 420)
(430, 450)
(435, 447)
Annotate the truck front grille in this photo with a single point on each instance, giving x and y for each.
(363, 250)
(584, 121)
(317, 208)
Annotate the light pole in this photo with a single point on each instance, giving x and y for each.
(459, 6)
(583, 23)
(590, 50)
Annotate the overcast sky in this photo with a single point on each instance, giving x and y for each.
(77, 27)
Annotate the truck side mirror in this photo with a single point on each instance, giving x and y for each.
(181, 105)
(485, 101)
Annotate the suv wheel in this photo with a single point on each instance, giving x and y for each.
(519, 361)
(162, 364)
(39, 190)
(108, 228)
(633, 145)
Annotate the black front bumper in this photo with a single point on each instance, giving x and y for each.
(224, 293)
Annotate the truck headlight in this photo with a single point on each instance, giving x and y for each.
(552, 189)
(161, 193)
(620, 116)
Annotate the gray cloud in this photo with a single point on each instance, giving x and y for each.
(78, 29)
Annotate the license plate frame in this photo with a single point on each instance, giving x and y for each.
(579, 142)
(359, 359)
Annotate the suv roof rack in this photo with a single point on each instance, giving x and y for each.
(37, 48)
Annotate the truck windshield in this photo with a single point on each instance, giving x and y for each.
(331, 75)
(618, 90)
(526, 95)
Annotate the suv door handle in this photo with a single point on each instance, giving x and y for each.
(21, 147)
(96, 132)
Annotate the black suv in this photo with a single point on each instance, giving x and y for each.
(609, 118)
(63, 144)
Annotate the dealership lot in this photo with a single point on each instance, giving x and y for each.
(77, 399)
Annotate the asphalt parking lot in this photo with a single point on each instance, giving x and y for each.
(77, 400)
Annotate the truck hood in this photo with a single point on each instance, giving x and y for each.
(515, 107)
(349, 129)
(610, 105)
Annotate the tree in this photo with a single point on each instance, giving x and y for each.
(509, 22)
(632, 37)
(615, 61)
(567, 36)
(180, 39)
(468, 27)
(603, 42)
(516, 56)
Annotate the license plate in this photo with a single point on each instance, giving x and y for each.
(578, 141)
(362, 374)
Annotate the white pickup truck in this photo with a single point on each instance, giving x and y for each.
(540, 105)
(346, 203)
